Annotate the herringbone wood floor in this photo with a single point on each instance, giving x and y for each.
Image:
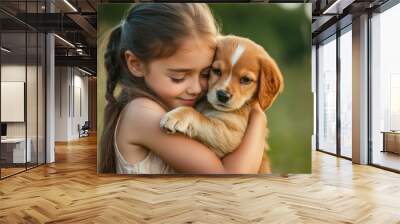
(70, 191)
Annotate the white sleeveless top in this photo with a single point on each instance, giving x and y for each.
(151, 164)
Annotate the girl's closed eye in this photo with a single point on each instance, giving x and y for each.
(177, 79)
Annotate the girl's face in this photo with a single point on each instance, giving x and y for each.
(181, 79)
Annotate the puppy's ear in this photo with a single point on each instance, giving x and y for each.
(270, 82)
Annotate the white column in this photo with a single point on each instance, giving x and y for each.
(360, 90)
(50, 93)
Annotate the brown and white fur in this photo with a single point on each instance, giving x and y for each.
(241, 73)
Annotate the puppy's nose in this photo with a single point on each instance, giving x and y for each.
(223, 96)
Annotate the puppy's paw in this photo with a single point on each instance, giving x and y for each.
(178, 120)
(168, 124)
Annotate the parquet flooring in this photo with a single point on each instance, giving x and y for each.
(9, 171)
(70, 191)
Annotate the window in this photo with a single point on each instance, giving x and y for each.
(346, 75)
(327, 96)
(385, 88)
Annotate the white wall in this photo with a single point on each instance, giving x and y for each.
(80, 100)
(61, 103)
(71, 93)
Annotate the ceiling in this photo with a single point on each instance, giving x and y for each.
(76, 24)
(331, 15)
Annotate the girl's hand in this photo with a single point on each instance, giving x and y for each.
(256, 110)
(258, 114)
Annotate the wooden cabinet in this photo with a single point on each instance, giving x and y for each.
(391, 141)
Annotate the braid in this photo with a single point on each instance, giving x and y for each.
(113, 63)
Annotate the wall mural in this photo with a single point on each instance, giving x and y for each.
(204, 88)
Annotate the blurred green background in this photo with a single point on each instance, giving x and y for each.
(284, 30)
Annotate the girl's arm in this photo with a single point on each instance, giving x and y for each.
(248, 156)
(186, 155)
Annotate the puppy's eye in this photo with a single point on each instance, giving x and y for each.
(245, 80)
(216, 71)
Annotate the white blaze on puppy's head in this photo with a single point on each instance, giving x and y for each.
(235, 57)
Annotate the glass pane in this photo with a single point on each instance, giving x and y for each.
(314, 84)
(327, 97)
(13, 86)
(346, 94)
(31, 97)
(22, 79)
(41, 98)
(386, 89)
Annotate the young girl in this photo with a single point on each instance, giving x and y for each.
(161, 56)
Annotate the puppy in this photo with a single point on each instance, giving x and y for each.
(242, 73)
